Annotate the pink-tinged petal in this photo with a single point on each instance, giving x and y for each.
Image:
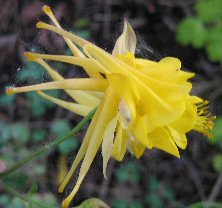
(126, 42)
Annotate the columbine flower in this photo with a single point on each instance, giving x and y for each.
(140, 103)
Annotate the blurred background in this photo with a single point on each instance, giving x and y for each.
(190, 30)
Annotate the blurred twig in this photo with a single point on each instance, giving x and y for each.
(216, 189)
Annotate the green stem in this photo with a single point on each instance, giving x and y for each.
(206, 204)
(24, 198)
(49, 146)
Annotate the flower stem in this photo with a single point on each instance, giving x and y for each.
(24, 198)
(49, 146)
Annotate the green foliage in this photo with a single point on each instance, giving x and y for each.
(209, 10)
(217, 133)
(32, 72)
(6, 201)
(78, 28)
(20, 131)
(217, 162)
(5, 133)
(124, 203)
(192, 31)
(40, 105)
(7, 100)
(60, 128)
(39, 135)
(120, 203)
(17, 180)
(128, 172)
(205, 29)
(153, 197)
(207, 204)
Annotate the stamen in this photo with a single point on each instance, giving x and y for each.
(204, 121)
(68, 84)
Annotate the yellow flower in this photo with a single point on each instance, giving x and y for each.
(140, 103)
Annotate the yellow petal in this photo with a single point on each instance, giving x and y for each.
(180, 139)
(83, 148)
(187, 121)
(136, 148)
(67, 84)
(162, 139)
(76, 39)
(128, 94)
(107, 144)
(165, 90)
(72, 46)
(139, 130)
(62, 168)
(108, 111)
(160, 112)
(73, 107)
(126, 42)
(93, 72)
(81, 97)
(120, 144)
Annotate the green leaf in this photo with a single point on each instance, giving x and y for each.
(32, 72)
(128, 172)
(16, 203)
(214, 43)
(136, 204)
(16, 180)
(154, 201)
(38, 104)
(68, 146)
(60, 127)
(152, 197)
(209, 10)
(216, 131)
(5, 132)
(33, 190)
(93, 203)
(39, 135)
(81, 23)
(83, 33)
(20, 132)
(120, 203)
(217, 163)
(4, 200)
(7, 100)
(153, 184)
(169, 194)
(192, 31)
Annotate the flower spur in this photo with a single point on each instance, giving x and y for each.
(140, 103)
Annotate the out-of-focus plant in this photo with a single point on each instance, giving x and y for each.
(204, 30)
(217, 140)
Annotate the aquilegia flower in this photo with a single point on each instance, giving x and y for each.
(140, 103)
